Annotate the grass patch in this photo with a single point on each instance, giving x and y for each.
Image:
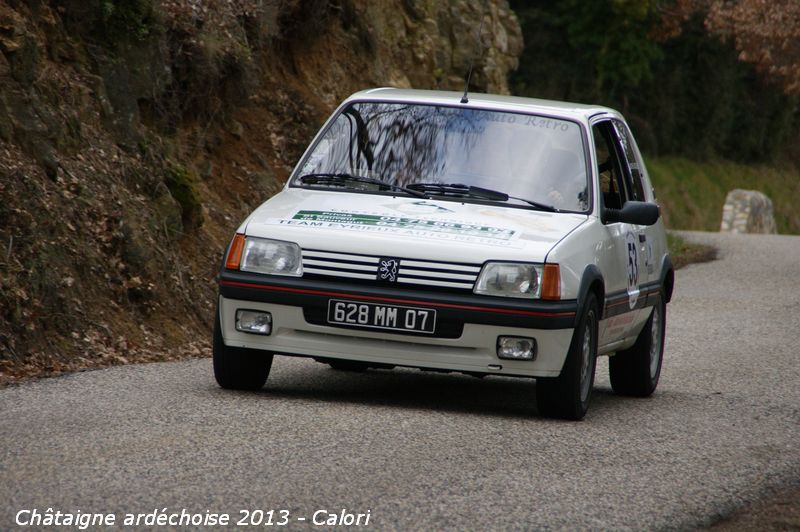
(683, 252)
(692, 193)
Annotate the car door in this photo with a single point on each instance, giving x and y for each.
(636, 175)
(626, 269)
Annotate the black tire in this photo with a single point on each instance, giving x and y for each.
(635, 371)
(567, 396)
(348, 365)
(237, 368)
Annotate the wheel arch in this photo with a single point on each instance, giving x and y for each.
(591, 282)
(667, 278)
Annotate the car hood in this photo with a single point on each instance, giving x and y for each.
(396, 226)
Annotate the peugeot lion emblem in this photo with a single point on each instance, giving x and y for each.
(387, 270)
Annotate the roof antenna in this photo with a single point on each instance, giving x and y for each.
(464, 98)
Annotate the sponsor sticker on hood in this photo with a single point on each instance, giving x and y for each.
(451, 230)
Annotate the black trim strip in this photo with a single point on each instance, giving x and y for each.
(462, 308)
(343, 268)
(430, 289)
(340, 261)
(618, 303)
(437, 270)
(416, 275)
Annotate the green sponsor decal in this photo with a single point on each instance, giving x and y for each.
(354, 219)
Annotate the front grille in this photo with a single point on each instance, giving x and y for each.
(451, 275)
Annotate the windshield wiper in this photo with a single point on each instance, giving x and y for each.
(330, 178)
(460, 189)
(540, 206)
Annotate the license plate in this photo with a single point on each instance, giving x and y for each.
(374, 316)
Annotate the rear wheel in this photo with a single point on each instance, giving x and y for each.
(237, 368)
(636, 371)
(567, 396)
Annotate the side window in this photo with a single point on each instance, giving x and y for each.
(610, 167)
(637, 187)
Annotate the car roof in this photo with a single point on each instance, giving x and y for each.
(498, 102)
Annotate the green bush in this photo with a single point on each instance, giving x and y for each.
(688, 96)
(121, 20)
(183, 187)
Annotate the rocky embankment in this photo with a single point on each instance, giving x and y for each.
(136, 134)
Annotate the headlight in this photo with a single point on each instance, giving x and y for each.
(510, 279)
(275, 257)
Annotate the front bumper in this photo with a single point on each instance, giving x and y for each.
(472, 322)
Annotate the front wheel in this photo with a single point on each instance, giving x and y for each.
(237, 368)
(636, 370)
(567, 396)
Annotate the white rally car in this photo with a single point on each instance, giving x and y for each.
(492, 235)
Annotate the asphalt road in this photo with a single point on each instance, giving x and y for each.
(431, 451)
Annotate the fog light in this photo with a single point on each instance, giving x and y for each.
(516, 348)
(253, 321)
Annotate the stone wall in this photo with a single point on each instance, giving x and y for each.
(747, 211)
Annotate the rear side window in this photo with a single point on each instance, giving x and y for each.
(635, 166)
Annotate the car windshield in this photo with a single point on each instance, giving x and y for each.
(533, 159)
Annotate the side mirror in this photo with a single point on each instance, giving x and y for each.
(634, 212)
